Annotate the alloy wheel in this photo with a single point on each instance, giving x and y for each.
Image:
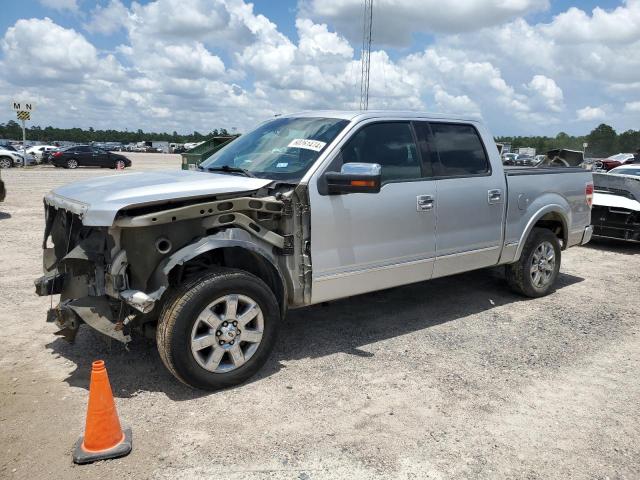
(227, 333)
(543, 264)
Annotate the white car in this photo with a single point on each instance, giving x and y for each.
(38, 150)
(616, 203)
(10, 157)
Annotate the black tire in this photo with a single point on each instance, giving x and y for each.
(72, 163)
(519, 275)
(6, 162)
(179, 314)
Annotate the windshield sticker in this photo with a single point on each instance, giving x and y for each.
(282, 165)
(314, 145)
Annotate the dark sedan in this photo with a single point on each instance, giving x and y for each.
(88, 156)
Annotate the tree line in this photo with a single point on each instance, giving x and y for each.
(13, 131)
(602, 141)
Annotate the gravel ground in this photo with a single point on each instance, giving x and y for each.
(455, 378)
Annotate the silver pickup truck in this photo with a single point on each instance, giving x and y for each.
(304, 209)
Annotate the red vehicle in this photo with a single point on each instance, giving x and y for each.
(615, 161)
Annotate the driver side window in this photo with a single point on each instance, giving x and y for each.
(389, 144)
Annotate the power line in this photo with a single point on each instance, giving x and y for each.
(365, 62)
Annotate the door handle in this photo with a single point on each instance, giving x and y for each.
(424, 203)
(495, 196)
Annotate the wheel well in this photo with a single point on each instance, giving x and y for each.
(233, 257)
(553, 221)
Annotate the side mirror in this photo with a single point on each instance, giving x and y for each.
(355, 178)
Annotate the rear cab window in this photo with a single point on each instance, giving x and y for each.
(458, 148)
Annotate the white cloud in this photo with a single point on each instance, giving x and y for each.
(591, 113)
(455, 104)
(109, 19)
(548, 91)
(71, 5)
(633, 107)
(43, 47)
(395, 21)
(200, 64)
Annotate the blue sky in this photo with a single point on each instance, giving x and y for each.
(532, 67)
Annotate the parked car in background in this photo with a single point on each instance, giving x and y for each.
(10, 157)
(614, 161)
(88, 156)
(46, 156)
(509, 158)
(616, 203)
(38, 151)
(304, 209)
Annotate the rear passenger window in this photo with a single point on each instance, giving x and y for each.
(460, 150)
(389, 144)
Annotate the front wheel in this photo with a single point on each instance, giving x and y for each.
(5, 162)
(535, 274)
(218, 330)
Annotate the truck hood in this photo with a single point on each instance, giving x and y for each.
(98, 200)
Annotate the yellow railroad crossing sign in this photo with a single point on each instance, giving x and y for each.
(22, 115)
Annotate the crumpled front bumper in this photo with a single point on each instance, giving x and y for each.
(96, 312)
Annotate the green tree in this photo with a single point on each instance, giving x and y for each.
(629, 141)
(602, 140)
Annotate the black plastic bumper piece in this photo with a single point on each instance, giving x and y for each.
(50, 284)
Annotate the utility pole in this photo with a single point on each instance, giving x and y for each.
(365, 61)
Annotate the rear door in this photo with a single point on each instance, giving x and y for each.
(470, 199)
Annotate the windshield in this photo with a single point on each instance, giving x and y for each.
(626, 171)
(282, 149)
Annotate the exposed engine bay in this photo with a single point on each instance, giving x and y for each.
(115, 278)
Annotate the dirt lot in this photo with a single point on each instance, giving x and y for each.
(456, 378)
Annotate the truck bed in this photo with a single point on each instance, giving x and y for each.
(550, 186)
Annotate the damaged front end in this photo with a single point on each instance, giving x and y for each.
(113, 278)
(78, 266)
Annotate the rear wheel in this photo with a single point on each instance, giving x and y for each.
(72, 163)
(218, 330)
(535, 274)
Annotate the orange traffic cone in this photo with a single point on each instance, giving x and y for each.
(103, 436)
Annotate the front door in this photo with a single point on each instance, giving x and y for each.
(363, 242)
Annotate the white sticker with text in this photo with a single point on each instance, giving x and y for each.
(314, 145)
